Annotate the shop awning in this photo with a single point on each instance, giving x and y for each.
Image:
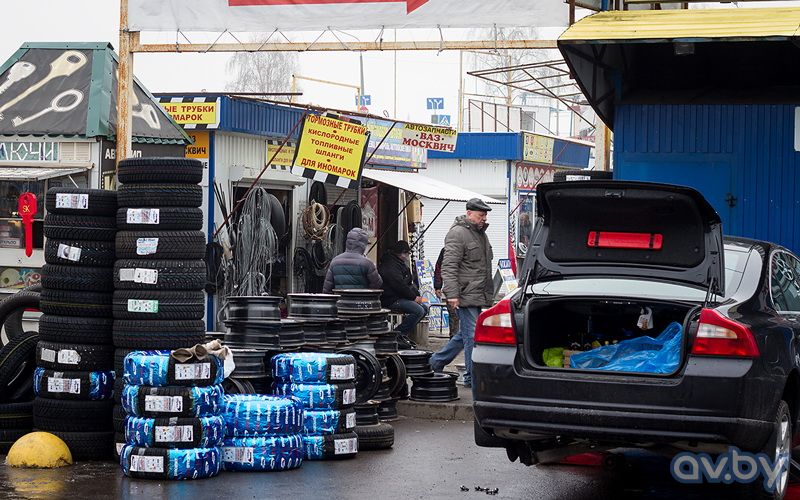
(425, 186)
(36, 173)
(684, 56)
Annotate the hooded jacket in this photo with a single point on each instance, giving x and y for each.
(351, 269)
(467, 264)
(398, 282)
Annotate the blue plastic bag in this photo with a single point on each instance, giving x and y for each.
(641, 355)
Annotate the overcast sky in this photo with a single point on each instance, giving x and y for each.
(419, 74)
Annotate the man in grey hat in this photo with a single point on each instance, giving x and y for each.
(467, 277)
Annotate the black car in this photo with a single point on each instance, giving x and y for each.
(615, 261)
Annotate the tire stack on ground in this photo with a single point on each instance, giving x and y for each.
(174, 427)
(262, 433)
(74, 379)
(159, 272)
(17, 365)
(323, 384)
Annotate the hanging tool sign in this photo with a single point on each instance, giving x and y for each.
(331, 150)
(27, 208)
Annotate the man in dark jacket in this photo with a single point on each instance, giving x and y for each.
(351, 269)
(467, 282)
(452, 316)
(399, 292)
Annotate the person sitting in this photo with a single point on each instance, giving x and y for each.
(351, 269)
(399, 292)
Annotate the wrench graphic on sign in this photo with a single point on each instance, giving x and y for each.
(54, 106)
(146, 112)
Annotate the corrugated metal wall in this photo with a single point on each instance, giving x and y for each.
(734, 154)
(487, 146)
(258, 118)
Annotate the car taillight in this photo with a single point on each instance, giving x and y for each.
(718, 335)
(494, 325)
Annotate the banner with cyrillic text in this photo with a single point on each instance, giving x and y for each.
(331, 150)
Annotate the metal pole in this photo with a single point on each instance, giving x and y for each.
(124, 84)
(394, 108)
(363, 90)
(460, 89)
(419, 238)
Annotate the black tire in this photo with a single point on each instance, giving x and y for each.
(118, 417)
(138, 334)
(72, 416)
(12, 308)
(396, 370)
(119, 443)
(73, 303)
(119, 384)
(119, 360)
(778, 443)
(160, 195)
(80, 227)
(154, 169)
(9, 436)
(98, 201)
(168, 275)
(169, 219)
(88, 445)
(72, 329)
(80, 253)
(169, 244)
(57, 277)
(375, 437)
(16, 415)
(14, 356)
(165, 304)
(581, 175)
(277, 217)
(75, 385)
(80, 357)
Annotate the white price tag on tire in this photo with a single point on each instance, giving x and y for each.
(73, 201)
(68, 357)
(147, 276)
(350, 421)
(64, 385)
(141, 463)
(165, 404)
(48, 355)
(238, 454)
(343, 372)
(197, 371)
(143, 215)
(349, 396)
(69, 253)
(345, 446)
(142, 306)
(146, 246)
(174, 433)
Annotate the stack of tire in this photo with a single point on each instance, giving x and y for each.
(159, 272)
(262, 433)
(323, 384)
(17, 365)
(174, 427)
(74, 379)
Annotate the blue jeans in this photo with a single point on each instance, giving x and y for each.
(413, 313)
(464, 339)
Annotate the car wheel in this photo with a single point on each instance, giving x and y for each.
(778, 447)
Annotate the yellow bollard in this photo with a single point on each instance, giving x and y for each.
(40, 450)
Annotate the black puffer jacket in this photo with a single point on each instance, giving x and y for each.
(467, 264)
(352, 269)
(398, 283)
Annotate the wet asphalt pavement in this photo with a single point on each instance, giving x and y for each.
(430, 460)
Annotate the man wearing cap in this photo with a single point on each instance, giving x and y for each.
(399, 292)
(467, 278)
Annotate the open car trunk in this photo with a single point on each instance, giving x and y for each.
(604, 334)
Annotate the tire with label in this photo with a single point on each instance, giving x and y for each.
(16, 415)
(69, 252)
(73, 329)
(73, 416)
(173, 464)
(80, 227)
(119, 418)
(88, 445)
(80, 201)
(263, 453)
(84, 386)
(159, 219)
(313, 368)
(74, 303)
(57, 277)
(154, 244)
(158, 402)
(158, 304)
(76, 357)
(256, 414)
(159, 369)
(160, 195)
(321, 422)
(375, 437)
(164, 170)
(331, 447)
(203, 432)
(135, 274)
(157, 334)
(320, 396)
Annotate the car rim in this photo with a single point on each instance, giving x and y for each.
(782, 454)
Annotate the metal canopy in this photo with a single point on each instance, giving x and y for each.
(36, 173)
(425, 186)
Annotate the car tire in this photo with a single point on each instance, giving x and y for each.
(88, 445)
(193, 463)
(56, 277)
(74, 303)
(118, 417)
(157, 335)
(79, 253)
(158, 368)
(19, 352)
(162, 170)
(313, 368)
(256, 414)
(160, 195)
(119, 387)
(146, 244)
(319, 396)
(375, 437)
(329, 421)
(90, 386)
(99, 201)
(169, 219)
(12, 308)
(159, 274)
(779, 444)
(195, 401)
(270, 453)
(119, 360)
(160, 304)
(206, 432)
(80, 227)
(72, 416)
(330, 447)
(74, 357)
(9, 436)
(16, 415)
(75, 330)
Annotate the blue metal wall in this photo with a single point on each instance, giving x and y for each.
(484, 146)
(258, 118)
(741, 152)
(571, 154)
